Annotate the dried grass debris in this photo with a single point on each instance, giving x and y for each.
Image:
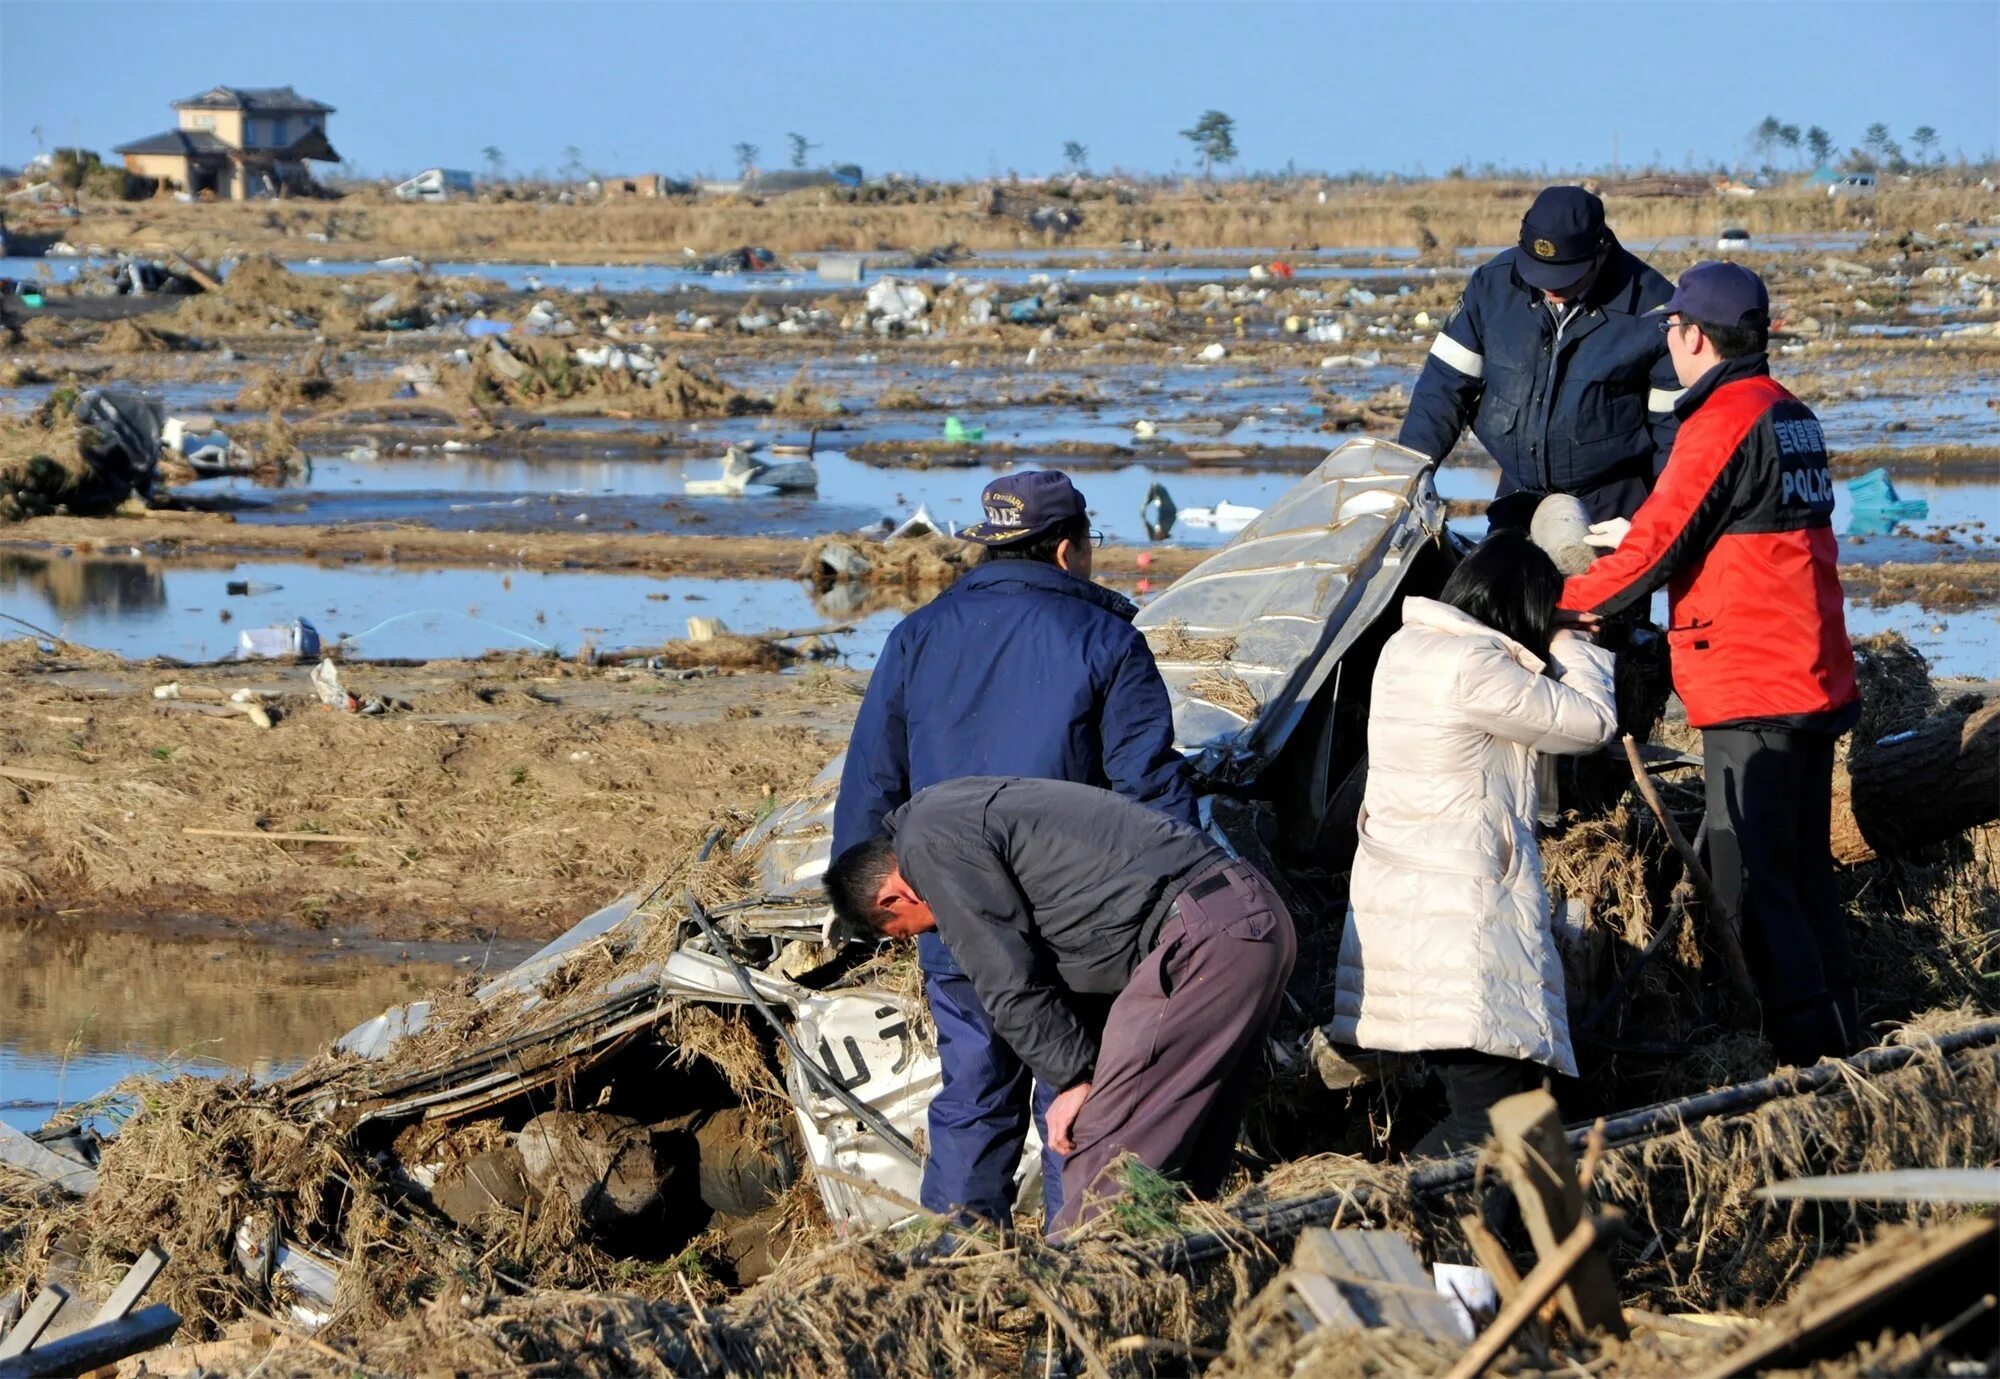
(1229, 692)
(1174, 643)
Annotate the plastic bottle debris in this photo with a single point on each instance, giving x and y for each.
(295, 638)
(326, 684)
(1212, 353)
(958, 433)
(249, 588)
(1876, 510)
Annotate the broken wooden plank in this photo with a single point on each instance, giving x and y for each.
(1326, 1304)
(1534, 1158)
(209, 282)
(1720, 923)
(255, 835)
(1367, 1279)
(1966, 1246)
(1542, 1282)
(20, 1151)
(132, 1287)
(37, 776)
(1492, 1257)
(99, 1345)
(1964, 1186)
(25, 1332)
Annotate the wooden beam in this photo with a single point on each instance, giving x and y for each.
(1534, 1158)
(1968, 1245)
(132, 1287)
(25, 1332)
(1576, 1251)
(1492, 1257)
(40, 777)
(251, 834)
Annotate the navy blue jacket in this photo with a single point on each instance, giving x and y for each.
(1591, 416)
(1018, 669)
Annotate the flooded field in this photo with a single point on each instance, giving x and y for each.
(87, 1007)
(599, 551)
(146, 608)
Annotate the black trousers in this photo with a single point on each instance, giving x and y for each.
(1770, 800)
(1473, 1082)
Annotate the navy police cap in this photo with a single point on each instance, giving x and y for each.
(1561, 236)
(1020, 506)
(1720, 294)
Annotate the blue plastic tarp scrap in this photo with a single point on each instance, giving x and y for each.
(1875, 508)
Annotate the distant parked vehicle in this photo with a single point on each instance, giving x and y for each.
(1733, 239)
(435, 184)
(1854, 184)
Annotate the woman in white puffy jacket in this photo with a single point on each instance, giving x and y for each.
(1448, 949)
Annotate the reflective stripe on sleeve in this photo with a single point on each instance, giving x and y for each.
(1468, 362)
(1663, 399)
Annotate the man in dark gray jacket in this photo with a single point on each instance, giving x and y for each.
(1045, 891)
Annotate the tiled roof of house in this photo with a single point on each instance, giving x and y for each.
(186, 142)
(265, 98)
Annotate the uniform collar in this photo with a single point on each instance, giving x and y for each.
(1728, 371)
(1045, 578)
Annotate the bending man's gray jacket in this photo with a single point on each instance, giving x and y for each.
(1043, 887)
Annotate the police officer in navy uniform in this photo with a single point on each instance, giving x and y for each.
(1553, 360)
(1024, 667)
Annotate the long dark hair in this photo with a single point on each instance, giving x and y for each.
(1510, 584)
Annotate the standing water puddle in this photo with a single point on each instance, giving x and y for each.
(142, 608)
(86, 1009)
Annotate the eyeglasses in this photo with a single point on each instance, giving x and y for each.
(1096, 538)
(1668, 327)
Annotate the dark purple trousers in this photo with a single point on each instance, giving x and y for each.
(1175, 1066)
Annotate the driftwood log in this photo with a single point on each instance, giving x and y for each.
(1939, 779)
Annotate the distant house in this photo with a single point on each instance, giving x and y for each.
(435, 184)
(237, 143)
(643, 184)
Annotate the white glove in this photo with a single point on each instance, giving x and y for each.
(1607, 535)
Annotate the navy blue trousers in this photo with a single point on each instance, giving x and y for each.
(979, 1118)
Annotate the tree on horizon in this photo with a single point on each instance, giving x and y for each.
(1214, 138)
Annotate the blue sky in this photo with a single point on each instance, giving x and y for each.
(948, 89)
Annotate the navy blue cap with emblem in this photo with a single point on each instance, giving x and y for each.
(1561, 237)
(1020, 506)
(1720, 294)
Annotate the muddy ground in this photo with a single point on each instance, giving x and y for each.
(506, 800)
